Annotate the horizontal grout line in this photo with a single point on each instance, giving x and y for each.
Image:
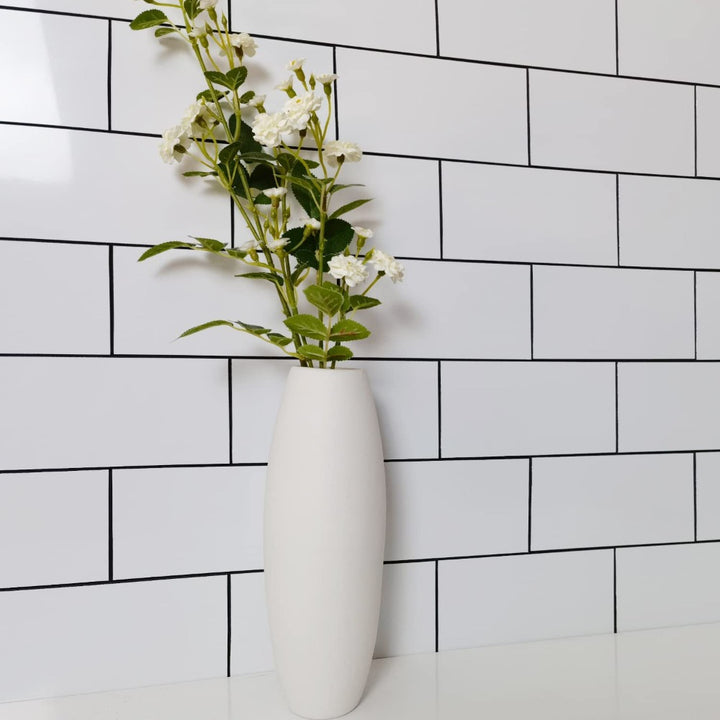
(403, 53)
(78, 128)
(409, 561)
(460, 458)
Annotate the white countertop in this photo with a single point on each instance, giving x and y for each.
(669, 674)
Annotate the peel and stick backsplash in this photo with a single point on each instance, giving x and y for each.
(547, 376)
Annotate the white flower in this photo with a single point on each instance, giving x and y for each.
(275, 192)
(196, 118)
(244, 42)
(175, 142)
(388, 265)
(297, 110)
(326, 78)
(207, 4)
(294, 65)
(349, 268)
(311, 223)
(285, 86)
(276, 244)
(257, 100)
(268, 127)
(362, 232)
(249, 245)
(198, 31)
(336, 149)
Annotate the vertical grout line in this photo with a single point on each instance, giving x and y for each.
(109, 75)
(530, 495)
(440, 206)
(527, 102)
(229, 15)
(615, 590)
(439, 402)
(617, 411)
(335, 95)
(532, 314)
(111, 296)
(111, 540)
(695, 516)
(437, 607)
(437, 29)
(229, 625)
(695, 126)
(230, 412)
(617, 214)
(617, 40)
(695, 313)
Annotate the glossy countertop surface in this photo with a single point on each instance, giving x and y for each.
(659, 674)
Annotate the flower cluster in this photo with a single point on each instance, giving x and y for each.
(176, 141)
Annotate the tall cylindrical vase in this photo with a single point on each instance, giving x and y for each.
(324, 539)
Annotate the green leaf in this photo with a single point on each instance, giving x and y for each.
(235, 253)
(247, 96)
(346, 330)
(148, 19)
(237, 76)
(271, 277)
(229, 152)
(205, 326)
(340, 186)
(350, 206)
(362, 302)
(339, 352)
(338, 235)
(307, 325)
(324, 298)
(304, 251)
(164, 31)
(248, 144)
(192, 8)
(210, 95)
(278, 339)
(218, 78)
(305, 192)
(262, 177)
(199, 173)
(311, 352)
(258, 157)
(210, 244)
(254, 329)
(162, 247)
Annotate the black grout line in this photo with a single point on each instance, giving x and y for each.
(695, 514)
(109, 75)
(229, 626)
(695, 314)
(230, 411)
(437, 606)
(617, 41)
(615, 590)
(79, 128)
(617, 412)
(111, 298)
(617, 215)
(437, 29)
(335, 94)
(111, 538)
(532, 314)
(695, 129)
(527, 102)
(440, 208)
(229, 15)
(439, 408)
(530, 496)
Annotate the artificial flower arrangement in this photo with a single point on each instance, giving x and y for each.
(286, 193)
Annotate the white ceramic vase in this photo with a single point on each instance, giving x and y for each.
(324, 539)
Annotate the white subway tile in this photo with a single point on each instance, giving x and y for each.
(611, 500)
(55, 298)
(708, 315)
(53, 528)
(668, 406)
(667, 39)
(407, 613)
(40, 66)
(481, 311)
(606, 123)
(528, 215)
(100, 412)
(167, 76)
(405, 210)
(669, 222)
(667, 585)
(80, 179)
(446, 509)
(87, 639)
(378, 24)
(571, 34)
(178, 521)
(708, 141)
(397, 386)
(518, 408)
(157, 300)
(708, 496)
(250, 646)
(488, 120)
(490, 601)
(122, 9)
(603, 313)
